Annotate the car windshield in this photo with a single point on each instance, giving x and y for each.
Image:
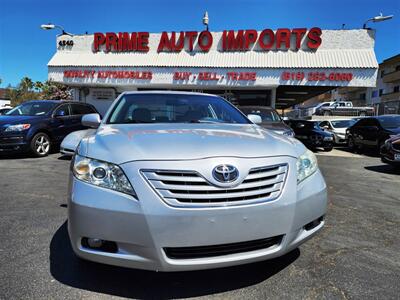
(32, 109)
(267, 115)
(342, 123)
(390, 121)
(174, 108)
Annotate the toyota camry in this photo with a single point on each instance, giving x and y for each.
(174, 181)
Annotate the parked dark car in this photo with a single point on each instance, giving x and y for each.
(372, 132)
(4, 110)
(390, 151)
(36, 126)
(270, 119)
(311, 135)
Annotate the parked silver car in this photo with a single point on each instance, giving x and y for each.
(338, 128)
(72, 140)
(183, 181)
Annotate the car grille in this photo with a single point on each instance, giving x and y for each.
(189, 188)
(223, 249)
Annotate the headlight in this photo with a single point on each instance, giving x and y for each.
(18, 127)
(288, 133)
(306, 165)
(102, 174)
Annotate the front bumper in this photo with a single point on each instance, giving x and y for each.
(340, 139)
(143, 229)
(13, 143)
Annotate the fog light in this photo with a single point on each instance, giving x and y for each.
(99, 245)
(95, 243)
(99, 173)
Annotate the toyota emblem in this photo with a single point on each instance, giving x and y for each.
(225, 173)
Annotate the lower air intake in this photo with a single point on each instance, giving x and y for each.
(223, 249)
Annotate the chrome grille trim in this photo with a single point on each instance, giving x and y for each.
(191, 189)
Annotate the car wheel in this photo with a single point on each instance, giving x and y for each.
(328, 149)
(380, 144)
(40, 144)
(351, 144)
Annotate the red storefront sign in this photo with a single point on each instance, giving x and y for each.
(142, 75)
(242, 40)
(317, 76)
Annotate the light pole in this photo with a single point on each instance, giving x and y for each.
(205, 20)
(379, 18)
(53, 26)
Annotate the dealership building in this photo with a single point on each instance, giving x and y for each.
(278, 68)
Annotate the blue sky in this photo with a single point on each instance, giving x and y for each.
(25, 49)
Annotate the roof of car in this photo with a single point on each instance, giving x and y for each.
(51, 101)
(255, 107)
(387, 116)
(167, 92)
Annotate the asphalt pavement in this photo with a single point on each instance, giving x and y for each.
(356, 256)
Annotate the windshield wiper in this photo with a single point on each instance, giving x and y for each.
(204, 121)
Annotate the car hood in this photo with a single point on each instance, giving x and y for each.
(11, 120)
(275, 126)
(340, 130)
(128, 142)
(72, 140)
(394, 130)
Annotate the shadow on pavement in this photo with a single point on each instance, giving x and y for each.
(64, 157)
(386, 169)
(69, 270)
(6, 156)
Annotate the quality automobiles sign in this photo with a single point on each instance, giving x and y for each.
(241, 40)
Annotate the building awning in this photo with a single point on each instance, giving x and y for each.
(343, 49)
(360, 58)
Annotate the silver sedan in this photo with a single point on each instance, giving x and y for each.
(176, 181)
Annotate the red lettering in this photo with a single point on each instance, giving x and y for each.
(165, 42)
(250, 37)
(314, 38)
(299, 33)
(143, 41)
(271, 39)
(205, 40)
(283, 35)
(99, 40)
(232, 42)
(191, 35)
(181, 41)
(111, 41)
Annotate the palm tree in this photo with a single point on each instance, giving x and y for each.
(26, 84)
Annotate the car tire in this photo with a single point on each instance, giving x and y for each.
(351, 145)
(40, 144)
(327, 113)
(328, 149)
(380, 144)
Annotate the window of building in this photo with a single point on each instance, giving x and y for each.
(398, 68)
(374, 94)
(362, 96)
(382, 73)
(380, 92)
(396, 89)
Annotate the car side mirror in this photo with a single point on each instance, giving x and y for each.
(256, 119)
(326, 127)
(91, 120)
(60, 113)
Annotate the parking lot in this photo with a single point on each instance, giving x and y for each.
(356, 255)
